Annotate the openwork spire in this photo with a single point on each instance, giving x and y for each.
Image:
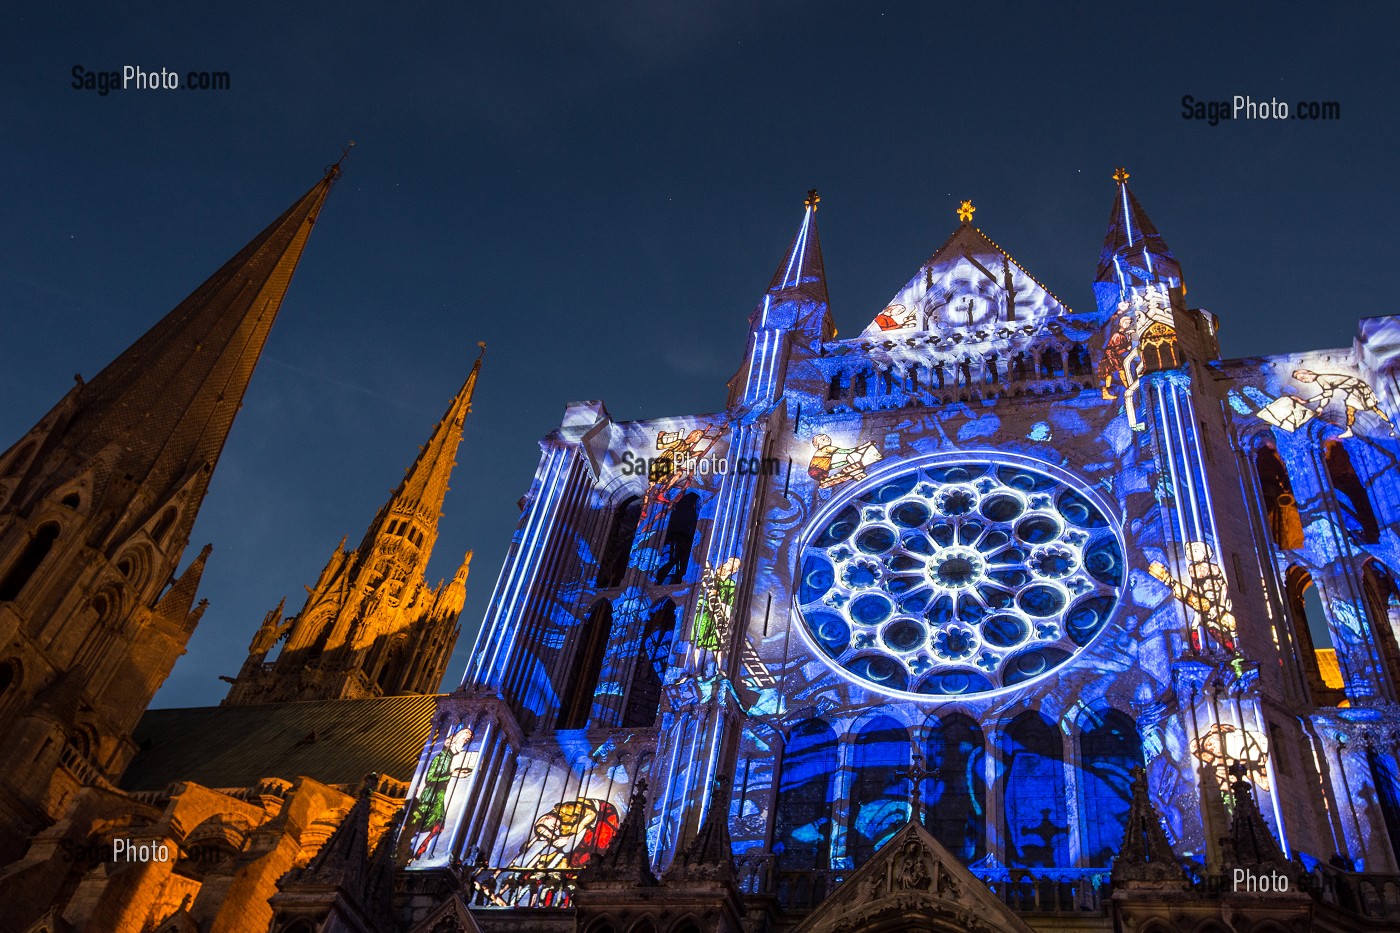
(710, 856)
(627, 860)
(424, 486)
(1146, 858)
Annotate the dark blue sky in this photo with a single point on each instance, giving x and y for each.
(601, 192)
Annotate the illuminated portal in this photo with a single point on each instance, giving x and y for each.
(960, 576)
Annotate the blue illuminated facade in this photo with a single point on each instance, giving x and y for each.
(971, 567)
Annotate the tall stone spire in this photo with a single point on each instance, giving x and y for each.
(424, 486)
(372, 626)
(162, 410)
(96, 504)
(1134, 254)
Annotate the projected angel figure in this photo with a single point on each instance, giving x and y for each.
(831, 465)
(569, 835)
(672, 471)
(1120, 362)
(429, 812)
(1355, 394)
(713, 615)
(1205, 590)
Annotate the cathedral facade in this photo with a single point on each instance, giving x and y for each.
(998, 615)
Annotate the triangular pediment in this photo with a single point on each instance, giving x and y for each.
(968, 282)
(451, 916)
(913, 884)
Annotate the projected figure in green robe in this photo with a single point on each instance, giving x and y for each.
(712, 616)
(430, 811)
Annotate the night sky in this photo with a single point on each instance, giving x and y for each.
(601, 191)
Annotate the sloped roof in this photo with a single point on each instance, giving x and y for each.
(332, 741)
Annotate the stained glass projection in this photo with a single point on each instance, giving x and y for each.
(1109, 749)
(959, 577)
(955, 803)
(803, 838)
(1036, 826)
(880, 791)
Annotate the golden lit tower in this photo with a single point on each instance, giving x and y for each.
(96, 506)
(372, 626)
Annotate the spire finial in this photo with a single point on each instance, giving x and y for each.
(333, 170)
(965, 212)
(482, 345)
(813, 199)
(1121, 175)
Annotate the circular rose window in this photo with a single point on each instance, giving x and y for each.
(959, 577)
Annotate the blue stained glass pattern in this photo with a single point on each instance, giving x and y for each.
(960, 577)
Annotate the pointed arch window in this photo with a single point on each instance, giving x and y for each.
(836, 388)
(955, 802)
(17, 462)
(29, 560)
(1384, 771)
(617, 552)
(1285, 524)
(1352, 500)
(1382, 600)
(1109, 749)
(1321, 669)
(162, 527)
(679, 539)
(880, 790)
(576, 702)
(802, 838)
(1036, 826)
(653, 654)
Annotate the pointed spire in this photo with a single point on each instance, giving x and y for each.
(344, 857)
(1251, 843)
(174, 606)
(710, 856)
(1146, 858)
(801, 270)
(1134, 253)
(424, 486)
(626, 860)
(169, 400)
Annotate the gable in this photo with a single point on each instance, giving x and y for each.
(913, 884)
(968, 282)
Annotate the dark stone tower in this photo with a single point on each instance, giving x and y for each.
(96, 506)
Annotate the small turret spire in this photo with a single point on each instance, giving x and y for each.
(1134, 254)
(802, 270)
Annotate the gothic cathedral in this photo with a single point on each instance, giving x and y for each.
(996, 615)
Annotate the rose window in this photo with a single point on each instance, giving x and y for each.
(960, 577)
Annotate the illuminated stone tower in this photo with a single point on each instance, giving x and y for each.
(96, 506)
(372, 626)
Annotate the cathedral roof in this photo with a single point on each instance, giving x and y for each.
(333, 741)
(968, 280)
